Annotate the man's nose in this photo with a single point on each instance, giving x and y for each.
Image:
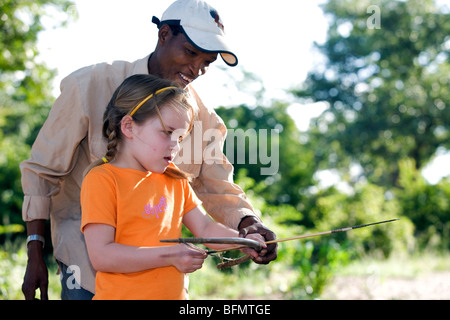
(198, 68)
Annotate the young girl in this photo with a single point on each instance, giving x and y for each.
(138, 197)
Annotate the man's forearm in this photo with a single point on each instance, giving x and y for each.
(36, 227)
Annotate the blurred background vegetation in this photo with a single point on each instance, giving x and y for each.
(387, 117)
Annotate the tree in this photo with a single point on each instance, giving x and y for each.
(292, 163)
(385, 79)
(386, 85)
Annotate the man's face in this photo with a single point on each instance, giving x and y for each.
(180, 61)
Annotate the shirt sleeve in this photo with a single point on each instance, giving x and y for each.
(98, 199)
(53, 151)
(225, 201)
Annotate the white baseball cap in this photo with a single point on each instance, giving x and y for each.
(202, 26)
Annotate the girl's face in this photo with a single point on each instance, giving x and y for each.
(150, 147)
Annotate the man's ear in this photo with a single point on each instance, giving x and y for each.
(164, 34)
(126, 126)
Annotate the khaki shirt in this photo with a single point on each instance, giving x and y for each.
(71, 138)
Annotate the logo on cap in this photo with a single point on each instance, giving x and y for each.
(216, 18)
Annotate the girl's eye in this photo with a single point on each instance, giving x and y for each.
(167, 133)
(170, 133)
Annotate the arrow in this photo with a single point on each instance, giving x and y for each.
(244, 243)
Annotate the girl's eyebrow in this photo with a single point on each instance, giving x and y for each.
(160, 119)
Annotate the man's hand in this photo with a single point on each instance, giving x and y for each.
(251, 225)
(36, 275)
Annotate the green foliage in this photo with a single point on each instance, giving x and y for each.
(387, 92)
(388, 87)
(296, 165)
(22, 77)
(18, 128)
(314, 265)
(368, 204)
(428, 206)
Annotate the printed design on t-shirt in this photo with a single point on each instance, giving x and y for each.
(154, 210)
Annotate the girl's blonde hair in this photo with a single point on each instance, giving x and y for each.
(127, 100)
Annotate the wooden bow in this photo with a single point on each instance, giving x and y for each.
(245, 243)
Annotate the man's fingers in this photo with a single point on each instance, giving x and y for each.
(44, 292)
(28, 293)
(270, 256)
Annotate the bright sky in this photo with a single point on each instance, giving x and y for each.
(272, 39)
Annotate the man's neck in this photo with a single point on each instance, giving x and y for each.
(148, 63)
(152, 65)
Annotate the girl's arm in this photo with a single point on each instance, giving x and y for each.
(201, 225)
(108, 256)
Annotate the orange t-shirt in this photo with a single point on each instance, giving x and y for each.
(144, 208)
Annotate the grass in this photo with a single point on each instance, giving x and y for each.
(401, 277)
(251, 282)
(257, 282)
(398, 265)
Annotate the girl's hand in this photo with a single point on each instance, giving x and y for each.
(187, 258)
(252, 252)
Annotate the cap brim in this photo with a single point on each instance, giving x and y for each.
(206, 41)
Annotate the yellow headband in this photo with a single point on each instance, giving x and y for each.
(148, 98)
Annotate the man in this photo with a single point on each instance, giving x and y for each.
(190, 38)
